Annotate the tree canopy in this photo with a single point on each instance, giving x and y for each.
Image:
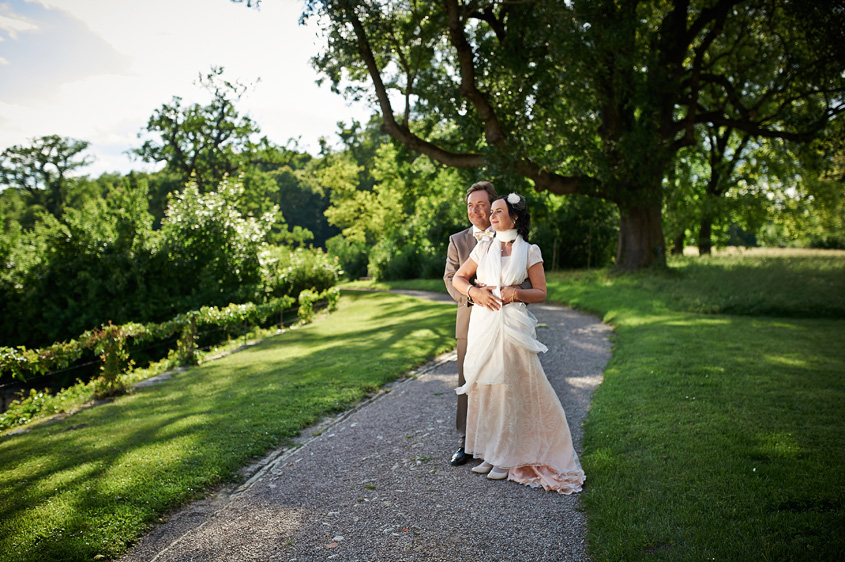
(203, 143)
(592, 97)
(42, 169)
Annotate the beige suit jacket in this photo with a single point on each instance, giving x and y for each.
(461, 246)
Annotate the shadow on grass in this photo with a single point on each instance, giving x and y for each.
(92, 483)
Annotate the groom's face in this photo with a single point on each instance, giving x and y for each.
(478, 209)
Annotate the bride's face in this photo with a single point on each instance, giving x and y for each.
(500, 219)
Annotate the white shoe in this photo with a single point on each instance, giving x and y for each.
(483, 468)
(498, 473)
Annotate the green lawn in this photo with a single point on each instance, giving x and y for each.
(92, 483)
(718, 436)
(434, 285)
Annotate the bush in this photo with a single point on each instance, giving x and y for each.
(575, 232)
(291, 272)
(212, 250)
(306, 305)
(105, 263)
(827, 242)
(351, 255)
(390, 261)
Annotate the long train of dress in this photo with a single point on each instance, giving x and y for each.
(521, 424)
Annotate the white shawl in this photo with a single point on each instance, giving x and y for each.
(488, 329)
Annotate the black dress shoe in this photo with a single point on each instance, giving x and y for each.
(459, 458)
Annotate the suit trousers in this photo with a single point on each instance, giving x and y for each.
(461, 415)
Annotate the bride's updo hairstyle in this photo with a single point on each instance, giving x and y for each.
(518, 211)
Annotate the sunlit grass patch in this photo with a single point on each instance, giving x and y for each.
(433, 285)
(716, 435)
(91, 484)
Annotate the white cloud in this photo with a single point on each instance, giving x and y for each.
(12, 24)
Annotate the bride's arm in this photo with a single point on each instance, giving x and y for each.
(537, 292)
(460, 282)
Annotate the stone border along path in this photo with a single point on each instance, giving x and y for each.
(375, 484)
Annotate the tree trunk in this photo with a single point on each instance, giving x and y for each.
(678, 244)
(705, 236)
(641, 241)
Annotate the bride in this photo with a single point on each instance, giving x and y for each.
(515, 421)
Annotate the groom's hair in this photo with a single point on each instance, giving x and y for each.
(483, 186)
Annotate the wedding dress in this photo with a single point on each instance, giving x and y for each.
(514, 417)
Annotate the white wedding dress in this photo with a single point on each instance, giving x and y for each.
(514, 417)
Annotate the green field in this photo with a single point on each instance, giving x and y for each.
(717, 432)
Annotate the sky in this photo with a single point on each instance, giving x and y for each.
(96, 70)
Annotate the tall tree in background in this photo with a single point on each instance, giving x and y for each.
(43, 169)
(590, 97)
(723, 158)
(203, 142)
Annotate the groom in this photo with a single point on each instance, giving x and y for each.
(479, 197)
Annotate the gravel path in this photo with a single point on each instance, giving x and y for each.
(375, 484)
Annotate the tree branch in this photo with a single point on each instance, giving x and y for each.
(756, 129)
(389, 125)
(493, 132)
(409, 76)
(718, 12)
(543, 180)
(556, 183)
(688, 123)
(495, 24)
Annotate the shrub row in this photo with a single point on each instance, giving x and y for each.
(109, 341)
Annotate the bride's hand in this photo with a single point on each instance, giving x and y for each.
(484, 296)
(509, 294)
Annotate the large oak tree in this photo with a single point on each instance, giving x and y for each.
(593, 97)
(202, 142)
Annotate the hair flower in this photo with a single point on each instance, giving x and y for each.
(513, 198)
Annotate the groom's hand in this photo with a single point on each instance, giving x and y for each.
(484, 297)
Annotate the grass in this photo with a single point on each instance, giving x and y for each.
(717, 432)
(38, 406)
(91, 484)
(434, 285)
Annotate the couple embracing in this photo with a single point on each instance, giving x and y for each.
(508, 414)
